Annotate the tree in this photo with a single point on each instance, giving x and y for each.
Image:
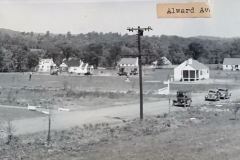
(32, 61)
(47, 34)
(69, 35)
(67, 49)
(176, 54)
(114, 55)
(1, 58)
(19, 58)
(235, 48)
(195, 50)
(56, 54)
(92, 54)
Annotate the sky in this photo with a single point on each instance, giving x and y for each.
(82, 16)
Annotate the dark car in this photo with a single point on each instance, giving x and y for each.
(183, 99)
(213, 95)
(134, 72)
(54, 71)
(122, 72)
(224, 93)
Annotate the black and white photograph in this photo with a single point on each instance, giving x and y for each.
(119, 80)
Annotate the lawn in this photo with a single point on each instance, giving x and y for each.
(101, 90)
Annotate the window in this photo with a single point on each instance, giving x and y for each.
(197, 73)
(185, 74)
(192, 74)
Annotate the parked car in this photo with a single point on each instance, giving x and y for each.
(54, 71)
(121, 72)
(134, 72)
(224, 93)
(183, 98)
(213, 95)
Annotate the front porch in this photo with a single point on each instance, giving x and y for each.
(190, 75)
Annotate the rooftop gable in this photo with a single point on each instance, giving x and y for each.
(197, 65)
(194, 64)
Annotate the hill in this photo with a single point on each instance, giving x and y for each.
(105, 49)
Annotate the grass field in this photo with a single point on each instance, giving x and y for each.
(16, 89)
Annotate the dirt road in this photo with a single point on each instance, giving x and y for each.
(65, 120)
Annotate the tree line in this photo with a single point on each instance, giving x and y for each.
(106, 49)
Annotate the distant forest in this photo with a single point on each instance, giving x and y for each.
(105, 49)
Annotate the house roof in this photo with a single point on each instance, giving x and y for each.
(131, 61)
(195, 64)
(231, 61)
(166, 61)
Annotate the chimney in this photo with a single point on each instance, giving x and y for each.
(190, 61)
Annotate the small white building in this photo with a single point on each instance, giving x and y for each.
(163, 62)
(78, 66)
(232, 64)
(191, 70)
(128, 65)
(45, 65)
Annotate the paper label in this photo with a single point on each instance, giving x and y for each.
(184, 10)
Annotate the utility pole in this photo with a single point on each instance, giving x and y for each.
(139, 34)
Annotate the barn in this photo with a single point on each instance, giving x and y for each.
(191, 70)
(232, 64)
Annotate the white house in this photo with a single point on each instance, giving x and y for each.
(191, 70)
(163, 60)
(128, 65)
(78, 66)
(45, 65)
(231, 64)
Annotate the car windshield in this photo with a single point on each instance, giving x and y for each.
(183, 94)
(180, 94)
(212, 92)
